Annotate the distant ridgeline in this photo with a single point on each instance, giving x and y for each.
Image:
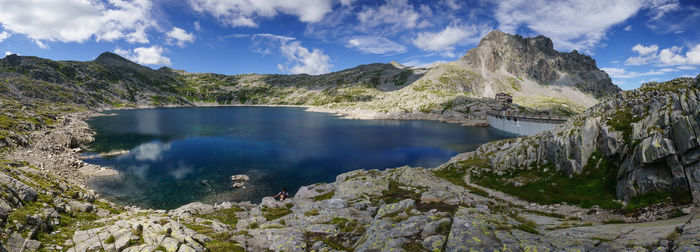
(529, 69)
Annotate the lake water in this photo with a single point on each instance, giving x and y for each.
(181, 155)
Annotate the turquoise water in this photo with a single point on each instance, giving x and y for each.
(181, 155)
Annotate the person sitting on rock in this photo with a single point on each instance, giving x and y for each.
(283, 194)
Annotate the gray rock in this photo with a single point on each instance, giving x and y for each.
(392, 209)
(434, 243)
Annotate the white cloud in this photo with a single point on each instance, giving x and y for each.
(375, 45)
(301, 59)
(4, 35)
(197, 26)
(445, 40)
(309, 62)
(347, 2)
(7, 53)
(646, 54)
(686, 67)
(669, 56)
(245, 12)
(420, 63)
(145, 55)
(659, 8)
(77, 20)
(399, 14)
(628, 28)
(644, 50)
(621, 73)
(674, 56)
(571, 24)
(179, 37)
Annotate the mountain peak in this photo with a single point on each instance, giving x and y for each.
(535, 58)
(109, 58)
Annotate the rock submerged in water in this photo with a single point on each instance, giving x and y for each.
(239, 180)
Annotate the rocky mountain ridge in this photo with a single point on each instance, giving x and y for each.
(648, 136)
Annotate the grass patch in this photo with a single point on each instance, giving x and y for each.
(324, 196)
(678, 196)
(526, 225)
(312, 212)
(613, 221)
(595, 186)
(275, 213)
(455, 173)
(226, 216)
(223, 246)
(621, 120)
(395, 193)
(348, 226)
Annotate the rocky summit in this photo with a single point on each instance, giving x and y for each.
(621, 175)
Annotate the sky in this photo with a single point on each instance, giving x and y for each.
(634, 41)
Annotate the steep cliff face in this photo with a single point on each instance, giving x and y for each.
(536, 59)
(650, 133)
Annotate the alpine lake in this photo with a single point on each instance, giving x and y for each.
(181, 155)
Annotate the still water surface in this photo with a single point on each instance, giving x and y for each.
(181, 155)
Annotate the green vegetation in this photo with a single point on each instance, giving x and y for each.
(395, 193)
(514, 84)
(402, 77)
(324, 196)
(348, 226)
(621, 120)
(312, 212)
(678, 196)
(223, 246)
(455, 173)
(226, 216)
(595, 186)
(275, 213)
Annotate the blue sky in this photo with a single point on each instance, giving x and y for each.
(634, 41)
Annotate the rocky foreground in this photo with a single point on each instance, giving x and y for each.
(402, 209)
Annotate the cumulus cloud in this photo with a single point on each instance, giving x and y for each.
(4, 35)
(571, 24)
(7, 53)
(621, 73)
(78, 20)
(445, 40)
(246, 12)
(375, 45)
(399, 14)
(628, 28)
(145, 55)
(669, 56)
(646, 54)
(179, 36)
(305, 61)
(674, 56)
(197, 26)
(299, 58)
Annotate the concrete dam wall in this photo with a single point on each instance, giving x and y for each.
(521, 125)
